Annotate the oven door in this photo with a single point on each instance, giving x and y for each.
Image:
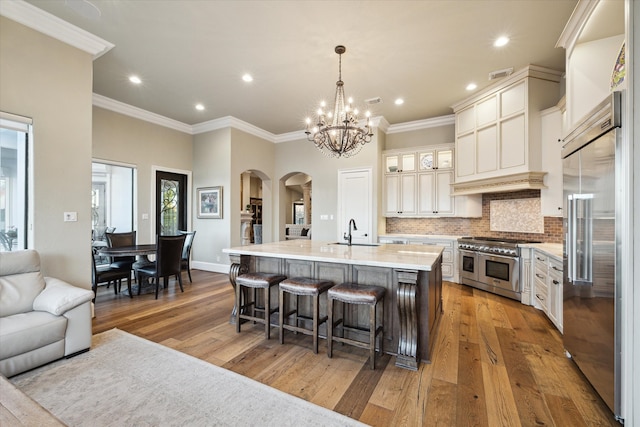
(499, 271)
(468, 265)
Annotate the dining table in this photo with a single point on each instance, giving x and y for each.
(134, 250)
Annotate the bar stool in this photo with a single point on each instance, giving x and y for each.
(302, 286)
(256, 281)
(352, 293)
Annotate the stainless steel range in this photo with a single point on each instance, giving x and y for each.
(491, 264)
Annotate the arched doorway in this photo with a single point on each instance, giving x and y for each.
(296, 205)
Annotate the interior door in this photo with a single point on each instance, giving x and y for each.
(355, 202)
(171, 203)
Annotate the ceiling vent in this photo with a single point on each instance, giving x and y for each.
(371, 101)
(500, 73)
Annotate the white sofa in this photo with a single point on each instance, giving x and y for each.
(42, 319)
(294, 231)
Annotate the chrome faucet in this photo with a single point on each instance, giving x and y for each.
(348, 237)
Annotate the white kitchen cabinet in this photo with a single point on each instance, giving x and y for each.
(554, 286)
(551, 124)
(400, 194)
(498, 132)
(417, 183)
(433, 159)
(526, 255)
(434, 193)
(547, 286)
(400, 162)
(449, 253)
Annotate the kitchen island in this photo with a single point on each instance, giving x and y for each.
(411, 274)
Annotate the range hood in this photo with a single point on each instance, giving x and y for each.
(499, 184)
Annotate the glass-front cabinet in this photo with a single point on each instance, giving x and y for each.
(435, 159)
(417, 183)
(401, 162)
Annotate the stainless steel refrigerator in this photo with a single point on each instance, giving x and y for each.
(591, 300)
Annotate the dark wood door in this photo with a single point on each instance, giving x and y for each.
(171, 203)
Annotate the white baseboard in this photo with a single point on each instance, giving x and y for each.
(209, 266)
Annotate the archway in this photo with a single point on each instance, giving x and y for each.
(295, 206)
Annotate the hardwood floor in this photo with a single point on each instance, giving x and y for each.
(496, 362)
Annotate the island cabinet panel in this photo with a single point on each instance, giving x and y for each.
(297, 268)
(411, 274)
(337, 273)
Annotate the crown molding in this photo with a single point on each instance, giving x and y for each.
(296, 135)
(575, 24)
(41, 21)
(421, 124)
(230, 121)
(139, 113)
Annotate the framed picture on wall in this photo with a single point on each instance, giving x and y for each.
(210, 202)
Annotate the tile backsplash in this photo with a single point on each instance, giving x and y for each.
(481, 226)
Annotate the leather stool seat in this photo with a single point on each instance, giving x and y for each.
(303, 286)
(256, 280)
(352, 293)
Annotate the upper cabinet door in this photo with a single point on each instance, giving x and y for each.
(435, 159)
(402, 162)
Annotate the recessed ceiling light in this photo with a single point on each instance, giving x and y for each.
(471, 86)
(247, 78)
(135, 80)
(501, 41)
(199, 107)
(399, 101)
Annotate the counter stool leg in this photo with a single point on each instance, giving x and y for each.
(329, 327)
(372, 335)
(316, 315)
(267, 311)
(238, 302)
(281, 315)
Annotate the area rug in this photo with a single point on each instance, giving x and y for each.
(126, 380)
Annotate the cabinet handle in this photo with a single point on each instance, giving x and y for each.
(540, 259)
(555, 268)
(539, 297)
(539, 276)
(555, 282)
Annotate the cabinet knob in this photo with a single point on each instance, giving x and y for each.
(555, 282)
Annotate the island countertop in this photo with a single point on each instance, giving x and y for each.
(413, 257)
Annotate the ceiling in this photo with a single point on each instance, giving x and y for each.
(196, 51)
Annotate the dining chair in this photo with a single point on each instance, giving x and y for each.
(186, 251)
(108, 274)
(116, 240)
(168, 261)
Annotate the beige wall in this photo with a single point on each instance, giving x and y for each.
(417, 138)
(147, 147)
(303, 156)
(212, 167)
(51, 82)
(251, 153)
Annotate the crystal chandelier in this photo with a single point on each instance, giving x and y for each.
(337, 133)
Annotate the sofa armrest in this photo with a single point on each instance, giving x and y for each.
(59, 296)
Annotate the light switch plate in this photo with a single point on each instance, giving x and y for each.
(70, 216)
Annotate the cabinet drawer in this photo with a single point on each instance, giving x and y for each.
(540, 272)
(540, 258)
(555, 266)
(541, 292)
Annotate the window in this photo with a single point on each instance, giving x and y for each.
(15, 137)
